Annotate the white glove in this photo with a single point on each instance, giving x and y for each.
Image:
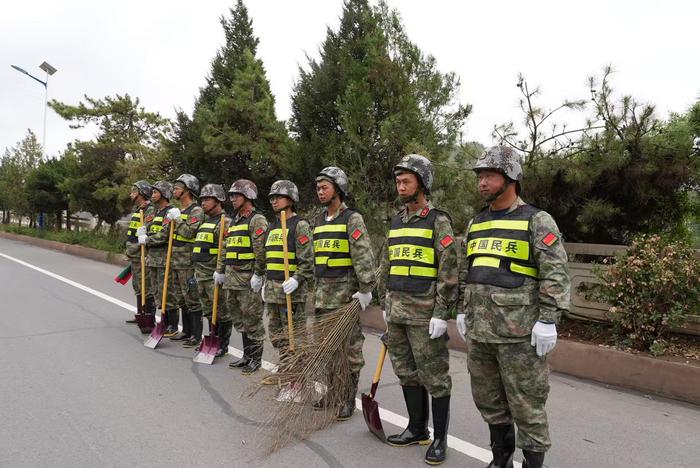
(437, 328)
(290, 285)
(173, 214)
(142, 239)
(363, 298)
(256, 283)
(384, 315)
(544, 337)
(219, 277)
(462, 325)
(141, 231)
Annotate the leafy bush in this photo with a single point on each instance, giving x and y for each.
(651, 288)
(108, 242)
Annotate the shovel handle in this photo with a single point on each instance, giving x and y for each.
(215, 305)
(380, 365)
(164, 299)
(285, 252)
(143, 269)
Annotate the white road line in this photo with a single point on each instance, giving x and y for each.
(454, 443)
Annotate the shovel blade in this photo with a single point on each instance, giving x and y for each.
(207, 350)
(370, 410)
(155, 336)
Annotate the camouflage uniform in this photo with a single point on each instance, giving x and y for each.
(203, 271)
(418, 360)
(509, 381)
(158, 229)
(133, 249)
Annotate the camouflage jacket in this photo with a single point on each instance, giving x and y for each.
(133, 249)
(506, 315)
(331, 293)
(157, 243)
(238, 277)
(187, 229)
(273, 292)
(206, 269)
(440, 299)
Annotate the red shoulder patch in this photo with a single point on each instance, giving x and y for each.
(446, 241)
(193, 219)
(356, 234)
(303, 239)
(550, 239)
(149, 218)
(259, 231)
(166, 221)
(425, 212)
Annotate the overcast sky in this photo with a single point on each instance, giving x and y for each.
(161, 50)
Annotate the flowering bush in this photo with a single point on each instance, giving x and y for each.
(651, 288)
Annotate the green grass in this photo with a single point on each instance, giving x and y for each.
(107, 242)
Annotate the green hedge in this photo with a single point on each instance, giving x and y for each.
(107, 242)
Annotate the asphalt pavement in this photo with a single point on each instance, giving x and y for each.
(78, 389)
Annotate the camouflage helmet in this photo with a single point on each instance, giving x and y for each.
(503, 159)
(245, 187)
(213, 191)
(144, 189)
(335, 175)
(285, 188)
(419, 165)
(165, 188)
(696, 144)
(190, 182)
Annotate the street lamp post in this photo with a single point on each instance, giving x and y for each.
(49, 71)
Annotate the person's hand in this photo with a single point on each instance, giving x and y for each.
(462, 325)
(384, 315)
(363, 298)
(173, 214)
(544, 337)
(256, 283)
(141, 231)
(437, 328)
(142, 239)
(290, 285)
(219, 277)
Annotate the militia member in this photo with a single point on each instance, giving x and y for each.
(156, 239)
(183, 283)
(419, 268)
(514, 286)
(283, 196)
(141, 197)
(206, 248)
(344, 267)
(241, 268)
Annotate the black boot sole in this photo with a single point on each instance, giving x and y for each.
(416, 442)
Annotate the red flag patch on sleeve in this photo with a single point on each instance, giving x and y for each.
(193, 219)
(550, 239)
(149, 218)
(303, 239)
(259, 231)
(425, 212)
(356, 234)
(446, 241)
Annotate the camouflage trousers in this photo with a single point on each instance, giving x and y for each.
(205, 291)
(355, 358)
(184, 288)
(418, 360)
(246, 310)
(157, 277)
(136, 277)
(277, 322)
(510, 383)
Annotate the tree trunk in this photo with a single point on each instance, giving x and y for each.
(68, 220)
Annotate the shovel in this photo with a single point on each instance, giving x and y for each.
(157, 333)
(211, 343)
(144, 319)
(370, 407)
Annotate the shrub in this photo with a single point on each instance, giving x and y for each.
(651, 288)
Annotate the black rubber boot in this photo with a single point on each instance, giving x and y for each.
(533, 459)
(346, 411)
(138, 310)
(196, 326)
(243, 360)
(416, 398)
(255, 361)
(441, 420)
(224, 332)
(171, 321)
(502, 445)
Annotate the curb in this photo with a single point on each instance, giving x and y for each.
(601, 364)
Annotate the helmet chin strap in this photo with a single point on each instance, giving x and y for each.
(501, 191)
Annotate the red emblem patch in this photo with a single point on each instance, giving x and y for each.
(166, 221)
(193, 219)
(425, 212)
(303, 239)
(259, 231)
(149, 218)
(356, 234)
(550, 239)
(446, 241)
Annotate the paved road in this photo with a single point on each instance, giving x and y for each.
(77, 388)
